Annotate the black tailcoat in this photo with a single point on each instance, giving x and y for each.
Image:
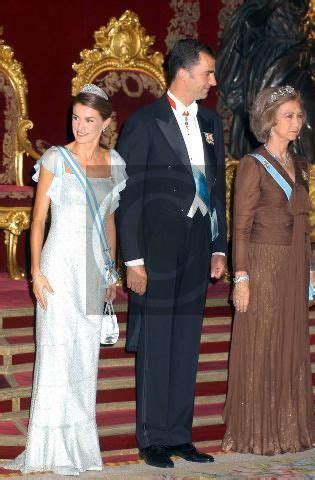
(153, 225)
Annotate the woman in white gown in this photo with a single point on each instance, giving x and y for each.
(72, 275)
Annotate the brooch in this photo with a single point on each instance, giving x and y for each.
(209, 138)
(304, 175)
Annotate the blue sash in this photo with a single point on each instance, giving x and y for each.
(110, 275)
(287, 190)
(275, 174)
(203, 193)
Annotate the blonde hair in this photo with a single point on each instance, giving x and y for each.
(263, 112)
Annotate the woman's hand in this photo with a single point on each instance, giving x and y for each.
(40, 284)
(110, 293)
(241, 296)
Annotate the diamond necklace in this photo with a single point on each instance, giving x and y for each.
(287, 157)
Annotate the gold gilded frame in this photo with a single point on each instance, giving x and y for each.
(12, 70)
(122, 45)
(15, 219)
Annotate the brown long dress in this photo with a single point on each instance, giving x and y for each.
(269, 403)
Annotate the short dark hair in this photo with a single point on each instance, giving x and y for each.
(104, 107)
(185, 54)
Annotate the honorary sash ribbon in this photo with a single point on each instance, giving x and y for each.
(110, 275)
(203, 193)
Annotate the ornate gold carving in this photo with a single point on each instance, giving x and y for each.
(14, 220)
(12, 69)
(25, 144)
(14, 87)
(122, 45)
(184, 23)
(14, 270)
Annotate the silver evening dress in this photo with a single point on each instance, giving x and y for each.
(62, 434)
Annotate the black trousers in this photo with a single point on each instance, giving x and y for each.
(177, 264)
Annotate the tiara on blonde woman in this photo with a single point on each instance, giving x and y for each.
(91, 88)
(281, 92)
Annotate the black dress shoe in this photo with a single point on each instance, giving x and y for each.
(157, 456)
(189, 452)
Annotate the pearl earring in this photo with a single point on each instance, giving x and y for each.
(103, 129)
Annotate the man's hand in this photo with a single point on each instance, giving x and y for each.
(137, 279)
(218, 266)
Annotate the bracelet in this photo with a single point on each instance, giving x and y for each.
(241, 278)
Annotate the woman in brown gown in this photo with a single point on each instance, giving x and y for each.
(269, 403)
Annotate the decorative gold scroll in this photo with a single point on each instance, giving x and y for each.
(14, 86)
(13, 220)
(122, 45)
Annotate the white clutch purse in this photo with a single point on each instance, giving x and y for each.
(109, 329)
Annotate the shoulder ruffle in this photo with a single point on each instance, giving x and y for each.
(52, 161)
(119, 176)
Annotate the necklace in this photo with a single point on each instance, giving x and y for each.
(282, 163)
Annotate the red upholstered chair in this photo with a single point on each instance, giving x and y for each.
(15, 198)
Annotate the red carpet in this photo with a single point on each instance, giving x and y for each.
(116, 385)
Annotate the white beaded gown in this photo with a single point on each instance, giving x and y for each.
(62, 434)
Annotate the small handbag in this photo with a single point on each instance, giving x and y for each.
(109, 329)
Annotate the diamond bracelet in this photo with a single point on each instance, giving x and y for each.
(241, 278)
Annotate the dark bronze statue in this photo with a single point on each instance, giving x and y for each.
(265, 44)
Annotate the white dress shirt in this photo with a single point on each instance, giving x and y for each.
(193, 141)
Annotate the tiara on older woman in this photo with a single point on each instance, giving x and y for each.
(281, 92)
(91, 88)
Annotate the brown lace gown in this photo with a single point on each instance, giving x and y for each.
(269, 403)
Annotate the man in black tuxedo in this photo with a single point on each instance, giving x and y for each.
(172, 228)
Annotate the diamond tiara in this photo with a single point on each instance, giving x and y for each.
(91, 88)
(281, 92)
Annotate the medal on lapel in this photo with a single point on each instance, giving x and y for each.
(209, 138)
